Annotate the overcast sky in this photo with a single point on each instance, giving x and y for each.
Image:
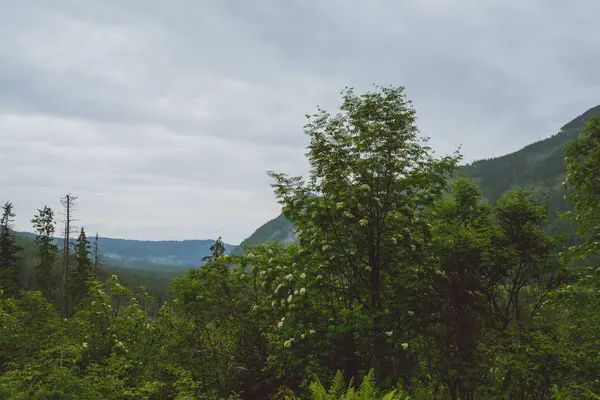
(163, 116)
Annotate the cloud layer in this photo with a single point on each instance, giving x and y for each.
(164, 116)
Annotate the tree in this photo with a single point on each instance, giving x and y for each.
(461, 272)
(582, 158)
(217, 250)
(362, 215)
(577, 304)
(525, 274)
(44, 226)
(82, 272)
(9, 249)
(68, 202)
(97, 257)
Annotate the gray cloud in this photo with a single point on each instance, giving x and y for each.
(163, 117)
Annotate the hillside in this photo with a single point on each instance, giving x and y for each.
(276, 230)
(154, 255)
(538, 167)
(540, 163)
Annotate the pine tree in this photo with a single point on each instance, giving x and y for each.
(82, 272)
(217, 250)
(44, 226)
(9, 249)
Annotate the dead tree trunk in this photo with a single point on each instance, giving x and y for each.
(68, 202)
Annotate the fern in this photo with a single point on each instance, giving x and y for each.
(392, 396)
(317, 391)
(338, 386)
(367, 390)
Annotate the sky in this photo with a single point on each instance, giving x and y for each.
(163, 117)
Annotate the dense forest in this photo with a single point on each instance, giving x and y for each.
(406, 281)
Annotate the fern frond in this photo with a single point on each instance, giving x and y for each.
(351, 394)
(368, 389)
(391, 396)
(317, 391)
(338, 386)
(350, 388)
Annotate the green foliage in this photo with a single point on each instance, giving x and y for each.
(361, 213)
(367, 390)
(102, 352)
(9, 249)
(583, 175)
(44, 226)
(217, 250)
(81, 270)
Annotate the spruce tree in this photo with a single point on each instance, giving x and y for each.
(81, 273)
(9, 249)
(217, 250)
(97, 257)
(44, 226)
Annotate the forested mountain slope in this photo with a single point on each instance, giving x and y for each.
(538, 167)
(276, 230)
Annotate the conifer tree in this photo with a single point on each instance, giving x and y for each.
(217, 250)
(9, 249)
(44, 226)
(97, 257)
(81, 273)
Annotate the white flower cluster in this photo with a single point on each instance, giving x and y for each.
(280, 323)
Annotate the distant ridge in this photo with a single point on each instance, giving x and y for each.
(133, 253)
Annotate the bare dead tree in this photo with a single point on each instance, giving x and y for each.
(68, 202)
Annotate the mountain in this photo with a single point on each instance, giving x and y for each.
(276, 230)
(145, 254)
(540, 163)
(538, 167)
